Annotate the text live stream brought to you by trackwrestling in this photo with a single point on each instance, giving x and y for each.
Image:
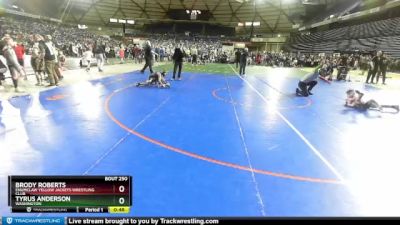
(104, 220)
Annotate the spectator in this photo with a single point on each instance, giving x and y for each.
(122, 54)
(87, 58)
(178, 60)
(148, 57)
(376, 64)
(47, 48)
(3, 70)
(243, 62)
(15, 68)
(237, 57)
(37, 60)
(20, 52)
(99, 53)
(57, 67)
(383, 64)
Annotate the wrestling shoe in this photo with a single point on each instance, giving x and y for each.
(17, 90)
(396, 107)
(298, 93)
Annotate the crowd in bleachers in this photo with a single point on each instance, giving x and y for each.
(206, 48)
(38, 38)
(285, 59)
(67, 38)
(372, 36)
(46, 42)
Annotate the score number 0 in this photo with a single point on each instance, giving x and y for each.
(121, 200)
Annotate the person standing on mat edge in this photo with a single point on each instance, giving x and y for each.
(14, 67)
(3, 70)
(237, 58)
(47, 48)
(308, 82)
(87, 58)
(376, 64)
(99, 52)
(243, 62)
(148, 57)
(20, 52)
(382, 69)
(178, 61)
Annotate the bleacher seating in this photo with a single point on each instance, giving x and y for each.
(378, 35)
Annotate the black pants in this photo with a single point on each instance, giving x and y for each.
(148, 64)
(383, 72)
(2, 77)
(372, 104)
(341, 73)
(305, 88)
(237, 63)
(177, 65)
(194, 59)
(242, 69)
(371, 74)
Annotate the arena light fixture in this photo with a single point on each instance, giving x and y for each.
(289, 1)
(82, 26)
(130, 22)
(113, 20)
(247, 24)
(195, 12)
(240, 24)
(121, 21)
(256, 24)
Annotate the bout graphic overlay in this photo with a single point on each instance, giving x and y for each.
(62, 194)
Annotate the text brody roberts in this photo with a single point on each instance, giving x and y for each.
(40, 185)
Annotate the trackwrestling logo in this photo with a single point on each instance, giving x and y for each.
(32, 220)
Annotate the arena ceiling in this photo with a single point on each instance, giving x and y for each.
(273, 15)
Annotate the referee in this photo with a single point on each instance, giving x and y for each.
(148, 57)
(178, 61)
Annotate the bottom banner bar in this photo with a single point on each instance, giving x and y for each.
(180, 220)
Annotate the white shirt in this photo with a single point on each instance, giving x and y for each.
(87, 55)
